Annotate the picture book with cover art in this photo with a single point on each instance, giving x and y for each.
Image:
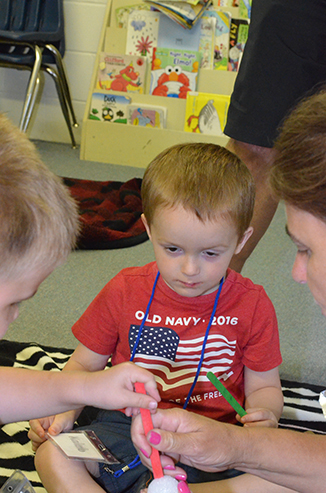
(144, 115)
(174, 72)
(122, 13)
(172, 35)
(109, 107)
(142, 32)
(183, 13)
(222, 37)
(206, 113)
(124, 73)
(207, 41)
(238, 37)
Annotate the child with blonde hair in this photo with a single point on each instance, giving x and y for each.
(38, 229)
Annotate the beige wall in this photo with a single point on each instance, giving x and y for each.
(83, 19)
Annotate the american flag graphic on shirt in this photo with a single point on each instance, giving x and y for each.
(176, 360)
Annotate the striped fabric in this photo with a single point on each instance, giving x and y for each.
(302, 411)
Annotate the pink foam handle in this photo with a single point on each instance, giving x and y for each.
(148, 426)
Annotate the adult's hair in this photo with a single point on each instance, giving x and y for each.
(298, 175)
(205, 179)
(38, 217)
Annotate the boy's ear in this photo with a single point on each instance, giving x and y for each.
(145, 223)
(244, 239)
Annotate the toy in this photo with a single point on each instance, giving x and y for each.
(160, 484)
(166, 484)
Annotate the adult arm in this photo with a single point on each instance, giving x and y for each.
(287, 458)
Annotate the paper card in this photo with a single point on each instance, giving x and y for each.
(83, 445)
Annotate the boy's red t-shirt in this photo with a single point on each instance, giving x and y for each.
(244, 333)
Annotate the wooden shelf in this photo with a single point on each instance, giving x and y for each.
(130, 145)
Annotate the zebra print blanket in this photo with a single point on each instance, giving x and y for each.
(302, 411)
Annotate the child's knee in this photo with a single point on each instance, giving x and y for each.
(46, 454)
(49, 457)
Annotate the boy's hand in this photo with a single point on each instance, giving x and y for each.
(117, 390)
(258, 417)
(52, 425)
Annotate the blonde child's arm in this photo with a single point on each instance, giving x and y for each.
(116, 391)
(263, 398)
(82, 359)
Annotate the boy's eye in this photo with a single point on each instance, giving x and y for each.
(172, 249)
(210, 254)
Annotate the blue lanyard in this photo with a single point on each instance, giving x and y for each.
(204, 343)
(205, 338)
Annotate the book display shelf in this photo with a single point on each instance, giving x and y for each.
(130, 145)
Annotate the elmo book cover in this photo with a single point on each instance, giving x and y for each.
(174, 72)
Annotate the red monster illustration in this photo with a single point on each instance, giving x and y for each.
(172, 83)
(125, 78)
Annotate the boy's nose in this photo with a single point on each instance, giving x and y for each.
(190, 266)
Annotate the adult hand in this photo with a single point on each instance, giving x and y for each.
(168, 464)
(191, 439)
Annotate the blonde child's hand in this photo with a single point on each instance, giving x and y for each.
(52, 425)
(118, 393)
(258, 417)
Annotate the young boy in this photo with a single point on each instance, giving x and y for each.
(179, 317)
(38, 228)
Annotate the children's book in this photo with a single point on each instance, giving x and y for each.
(183, 13)
(142, 32)
(144, 115)
(238, 38)
(109, 107)
(172, 35)
(124, 73)
(228, 3)
(122, 13)
(206, 113)
(222, 37)
(174, 72)
(245, 9)
(207, 41)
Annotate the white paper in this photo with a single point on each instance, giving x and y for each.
(77, 446)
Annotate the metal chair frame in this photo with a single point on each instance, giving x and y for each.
(39, 57)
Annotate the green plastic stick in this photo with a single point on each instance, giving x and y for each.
(226, 394)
